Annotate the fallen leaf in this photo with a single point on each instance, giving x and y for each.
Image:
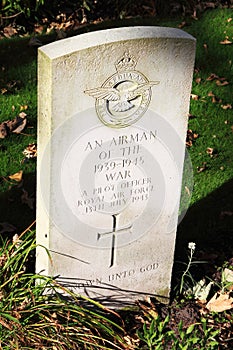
(201, 290)
(6, 227)
(38, 29)
(194, 97)
(210, 151)
(215, 99)
(226, 42)
(16, 241)
(16, 125)
(213, 76)
(220, 302)
(17, 176)
(202, 168)
(198, 80)
(30, 151)
(9, 31)
(190, 137)
(182, 24)
(3, 130)
(227, 106)
(19, 123)
(25, 199)
(23, 107)
(11, 86)
(3, 91)
(227, 275)
(224, 83)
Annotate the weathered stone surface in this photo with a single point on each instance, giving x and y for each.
(113, 109)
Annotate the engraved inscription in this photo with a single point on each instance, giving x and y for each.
(120, 275)
(114, 231)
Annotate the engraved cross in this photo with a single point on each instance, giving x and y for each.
(113, 233)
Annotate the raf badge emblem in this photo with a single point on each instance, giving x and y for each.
(125, 96)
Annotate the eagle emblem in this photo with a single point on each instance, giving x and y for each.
(124, 97)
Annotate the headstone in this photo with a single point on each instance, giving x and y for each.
(113, 109)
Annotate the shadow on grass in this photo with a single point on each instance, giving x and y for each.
(209, 222)
(17, 205)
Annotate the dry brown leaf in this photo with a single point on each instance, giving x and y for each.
(3, 91)
(16, 125)
(194, 97)
(224, 83)
(23, 107)
(202, 168)
(190, 137)
(198, 80)
(3, 130)
(227, 106)
(210, 150)
(20, 123)
(214, 76)
(38, 28)
(226, 42)
(215, 99)
(17, 176)
(9, 31)
(30, 151)
(220, 302)
(182, 24)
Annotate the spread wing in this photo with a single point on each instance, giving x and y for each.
(102, 93)
(138, 91)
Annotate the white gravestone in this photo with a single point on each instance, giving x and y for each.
(113, 109)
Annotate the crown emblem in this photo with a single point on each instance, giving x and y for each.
(126, 63)
(125, 96)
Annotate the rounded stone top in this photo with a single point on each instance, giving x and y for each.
(107, 36)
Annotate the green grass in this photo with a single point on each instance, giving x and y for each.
(210, 121)
(29, 319)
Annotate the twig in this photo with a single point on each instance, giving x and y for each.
(27, 229)
(12, 16)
